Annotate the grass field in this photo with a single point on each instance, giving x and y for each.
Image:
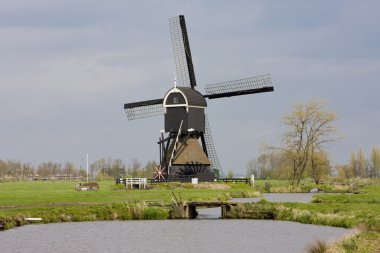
(59, 202)
(25, 195)
(360, 210)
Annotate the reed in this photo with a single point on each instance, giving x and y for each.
(318, 246)
(115, 211)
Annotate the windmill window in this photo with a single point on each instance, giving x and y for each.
(175, 100)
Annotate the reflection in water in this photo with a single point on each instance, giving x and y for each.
(167, 236)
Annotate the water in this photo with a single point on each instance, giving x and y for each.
(215, 213)
(223, 236)
(207, 233)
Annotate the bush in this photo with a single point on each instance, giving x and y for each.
(118, 187)
(267, 186)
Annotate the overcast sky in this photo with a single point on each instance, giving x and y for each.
(67, 67)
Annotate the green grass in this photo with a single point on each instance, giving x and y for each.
(15, 196)
(59, 202)
(369, 195)
(339, 210)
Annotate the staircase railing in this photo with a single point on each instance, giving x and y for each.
(174, 147)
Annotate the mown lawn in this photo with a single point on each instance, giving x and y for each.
(59, 202)
(23, 195)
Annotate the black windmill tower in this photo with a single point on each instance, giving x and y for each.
(187, 150)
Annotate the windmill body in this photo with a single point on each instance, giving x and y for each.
(186, 145)
(185, 152)
(187, 105)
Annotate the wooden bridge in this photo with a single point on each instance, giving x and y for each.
(189, 209)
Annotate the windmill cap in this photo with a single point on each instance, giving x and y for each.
(184, 96)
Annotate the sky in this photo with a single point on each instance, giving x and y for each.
(67, 67)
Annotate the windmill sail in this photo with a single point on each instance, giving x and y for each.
(211, 152)
(251, 85)
(182, 54)
(144, 109)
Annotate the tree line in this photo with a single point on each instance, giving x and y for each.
(105, 168)
(360, 165)
(276, 165)
(304, 149)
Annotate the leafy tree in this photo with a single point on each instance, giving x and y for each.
(344, 172)
(319, 166)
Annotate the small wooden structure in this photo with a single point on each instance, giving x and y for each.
(133, 183)
(235, 180)
(188, 210)
(92, 186)
(33, 219)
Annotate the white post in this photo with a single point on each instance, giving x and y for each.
(87, 166)
(253, 180)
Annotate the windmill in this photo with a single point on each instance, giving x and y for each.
(186, 145)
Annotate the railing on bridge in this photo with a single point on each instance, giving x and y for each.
(133, 183)
(129, 181)
(235, 180)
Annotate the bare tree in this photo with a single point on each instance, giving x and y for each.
(27, 170)
(230, 174)
(361, 163)
(48, 169)
(69, 169)
(3, 170)
(135, 166)
(118, 169)
(310, 127)
(375, 162)
(149, 169)
(251, 168)
(99, 168)
(358, 164)
(353, 165)
(15, 169)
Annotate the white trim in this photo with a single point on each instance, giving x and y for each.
(172, 90)
(177, 105)
(184, 105)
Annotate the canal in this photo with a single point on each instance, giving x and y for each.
(207, 233)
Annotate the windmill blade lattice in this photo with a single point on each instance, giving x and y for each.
(215, 165)
(256, 84)
(144, 109)
(182, 54)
